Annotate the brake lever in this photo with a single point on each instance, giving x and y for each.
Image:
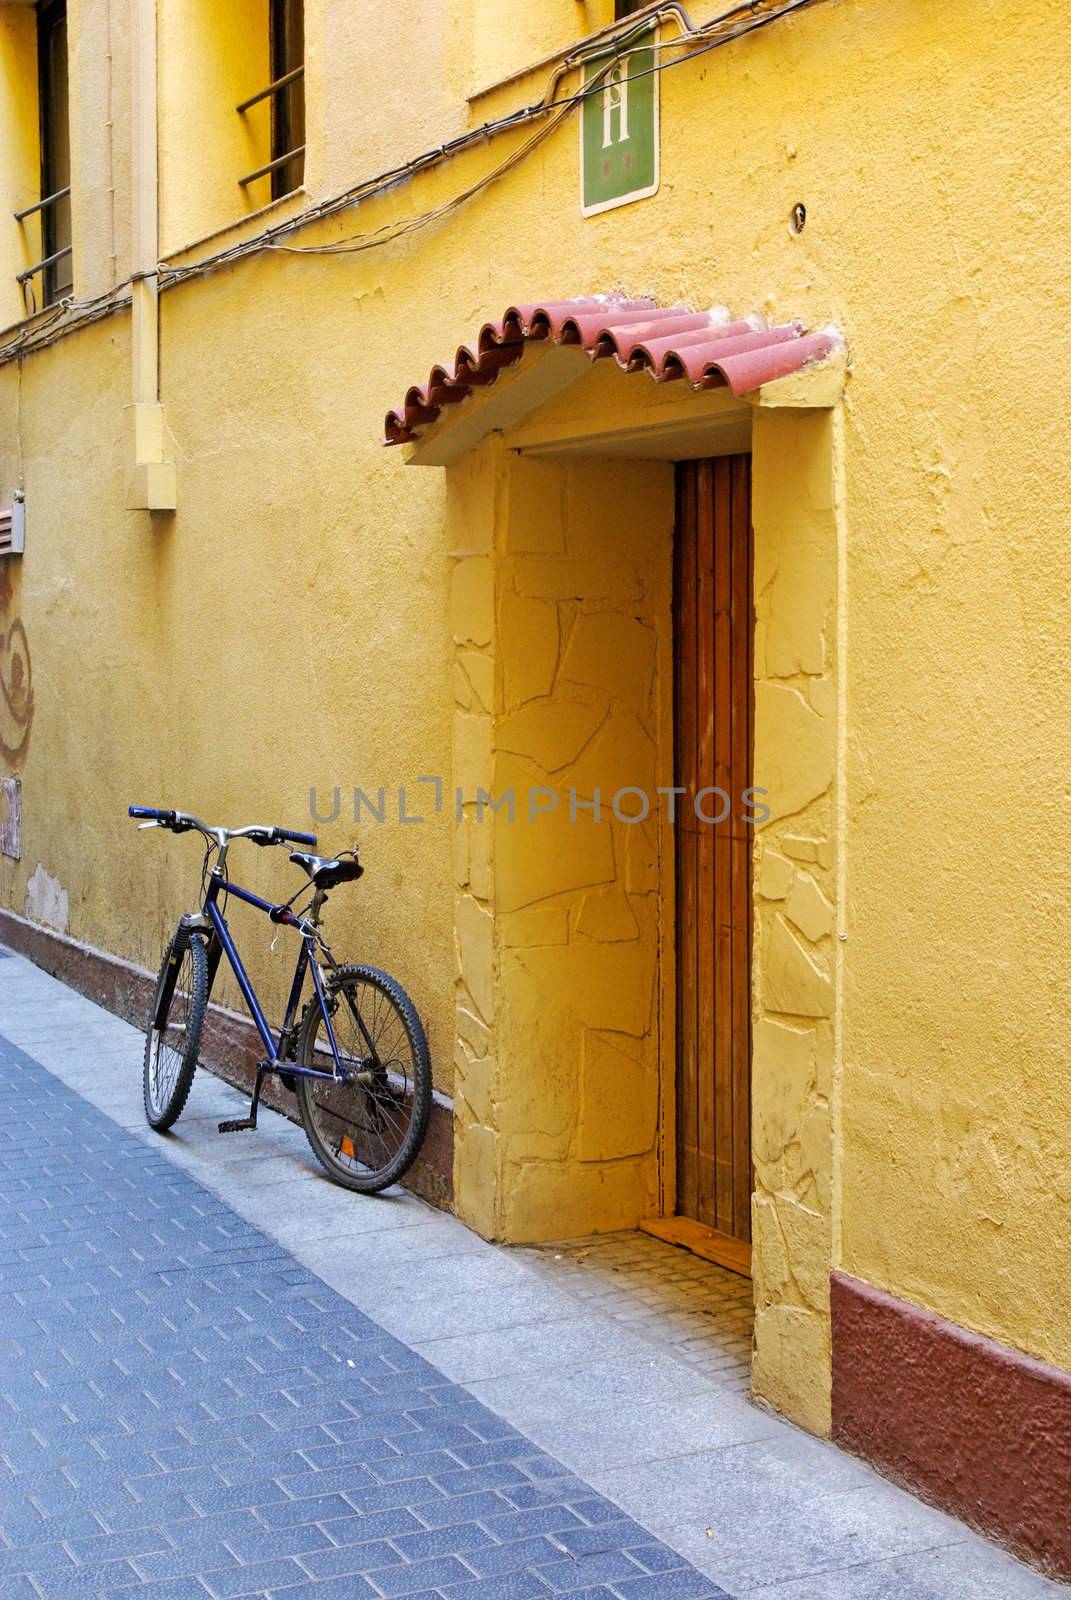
(155, 823)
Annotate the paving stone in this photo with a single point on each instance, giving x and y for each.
(176, 1563)
(604, 1384)
(465, 1480)
(264, 1544)
(596, 1437)
(576, 1341)
(355, 1529)
(516, 1586)
(107, 1546)
(85, 1582)
(683, 1585)
(346, 1588)
(414, 1578)
(536, 1553)
(224, 1526)
(253, 1579)
(465, 1508)
(463, 1538)
(513, 1525)
(36, 1558)
(968, 1571)
(656, 1557)
(584, 1572)
(582, 1541)
(372, 1556)
(173, 1589)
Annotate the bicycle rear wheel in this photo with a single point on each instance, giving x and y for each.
(365, 1131)
(173, 1034)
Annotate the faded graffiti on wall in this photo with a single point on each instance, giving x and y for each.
(16, 678)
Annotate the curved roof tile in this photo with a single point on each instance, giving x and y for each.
(706, 348)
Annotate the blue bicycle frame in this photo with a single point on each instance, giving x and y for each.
(275, 1049)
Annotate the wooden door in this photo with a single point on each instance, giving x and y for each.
(714, 626)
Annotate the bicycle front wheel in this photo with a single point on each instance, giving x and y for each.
(173, 1035)
(366, 1128)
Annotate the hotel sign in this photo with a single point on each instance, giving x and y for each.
(619, 126)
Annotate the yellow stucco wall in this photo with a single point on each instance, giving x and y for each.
(931, 156)
(796, 1042)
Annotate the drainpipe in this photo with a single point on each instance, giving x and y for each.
(152, 485)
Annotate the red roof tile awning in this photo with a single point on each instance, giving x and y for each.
(706, 349)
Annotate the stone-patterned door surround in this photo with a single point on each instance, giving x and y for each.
(560, 538)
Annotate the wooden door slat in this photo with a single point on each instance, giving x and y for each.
(721, 835)
(687, 844)
(742, 633)
(709, 1197)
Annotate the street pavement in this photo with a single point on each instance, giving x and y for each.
(220, 1375)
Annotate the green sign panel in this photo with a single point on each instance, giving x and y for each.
(619, 127)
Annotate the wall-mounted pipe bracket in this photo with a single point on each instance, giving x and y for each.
(153, 484)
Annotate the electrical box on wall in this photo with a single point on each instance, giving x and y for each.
(13, 527)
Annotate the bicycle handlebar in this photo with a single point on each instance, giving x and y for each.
(181, 821)
(274, 836)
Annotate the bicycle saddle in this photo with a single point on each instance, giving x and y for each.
(326, 871)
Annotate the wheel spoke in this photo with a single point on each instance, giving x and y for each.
(363, 1124)
(169, 1048)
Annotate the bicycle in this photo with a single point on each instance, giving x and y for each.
(356, 1058)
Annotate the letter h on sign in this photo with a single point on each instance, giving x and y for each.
(619, 127)
(615, 104)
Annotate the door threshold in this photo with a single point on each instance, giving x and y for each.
(722, 1248)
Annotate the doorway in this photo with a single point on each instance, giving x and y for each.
(714, 721)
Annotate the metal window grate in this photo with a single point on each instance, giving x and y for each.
(43, 264)
(273, 88)
(42, 205)
(54, 209)
(285, 95)
(272, 166)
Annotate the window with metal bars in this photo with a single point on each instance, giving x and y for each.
(55, 266)
(286, 22)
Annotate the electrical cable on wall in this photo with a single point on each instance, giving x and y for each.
(359, 242)
(731, 25)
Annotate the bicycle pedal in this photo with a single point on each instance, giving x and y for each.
(238, 1126)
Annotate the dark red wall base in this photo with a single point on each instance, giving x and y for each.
(230, 1045)
(977, 1429)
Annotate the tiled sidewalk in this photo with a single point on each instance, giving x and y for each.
(188, 1412)
(573, 1356)
(699, 1313)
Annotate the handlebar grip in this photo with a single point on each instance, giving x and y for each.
(280, 836)
(296, 838)
(153, 813)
